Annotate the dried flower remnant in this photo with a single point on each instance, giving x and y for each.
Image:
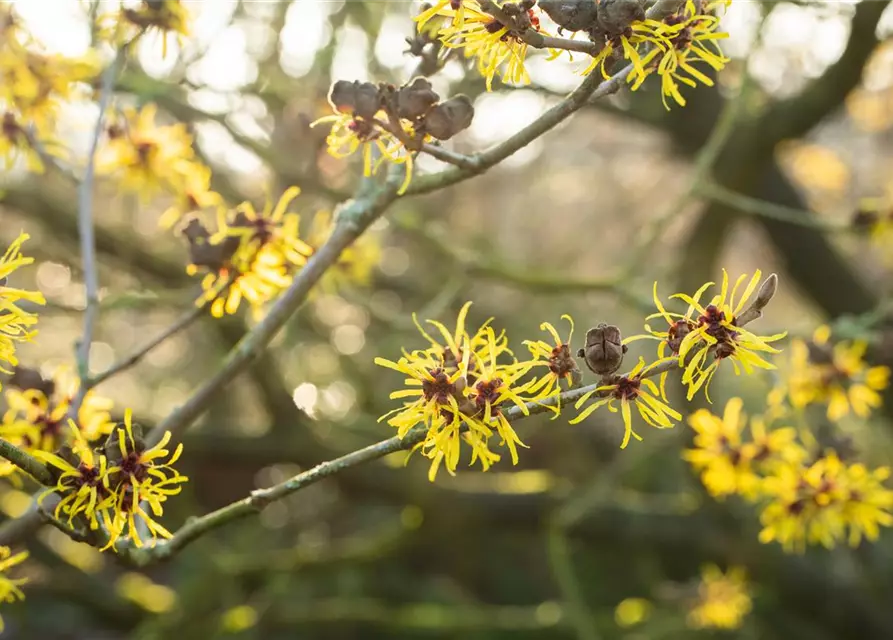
(723, 599)
(15, 322)
(836, 374)
(632, 389)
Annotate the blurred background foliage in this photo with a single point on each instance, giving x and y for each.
(547, 549)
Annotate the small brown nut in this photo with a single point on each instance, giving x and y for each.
(604, 349)
(450, 117)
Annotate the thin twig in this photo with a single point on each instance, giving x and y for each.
(770, 210)
(87, 236)
(129, 361)
(26, 462)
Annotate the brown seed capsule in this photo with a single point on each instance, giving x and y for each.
(415, 99)
(573, 15)
(204, 253)
(25, 378)
(450, 117)
(604, 349)
(615, 16)
(361, 99)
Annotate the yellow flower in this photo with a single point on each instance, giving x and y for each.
(139, 475)
(166, 17)
(9, 587)
(193, 194)
(255, 254)
(824, 503)
(15, 322)
(147, 158)
(679, 43)
(15, 144)
(439, 9)
(877, 215)
(560, 361)
(636, 389)
(718, 336)
(349, 133)
(498, 48)
(274, 228)
(727, 464)
(39, 418)
(678, 326)
(834, 374)
(455, 391)
(628, 43)
(723, 599)
(355, 265)
(37, 84)
(81, 482)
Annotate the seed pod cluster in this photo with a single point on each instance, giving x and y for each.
(601, 19)
(415, 101)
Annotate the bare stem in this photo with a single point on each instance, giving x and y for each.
(26, 462)
(87, 236)
(756, 207)
(131, 360)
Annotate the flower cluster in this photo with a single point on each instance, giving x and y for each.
(822, 372)
(151, 159)
(166, 18)
(38, 409)
(723, 599)
(696, 341)
(15, 322)
(390, 122)
(252, 255)
(807, 493)
(33, 86)
(498, 37)
(117, 486)
(491, 34)
(459, 387)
